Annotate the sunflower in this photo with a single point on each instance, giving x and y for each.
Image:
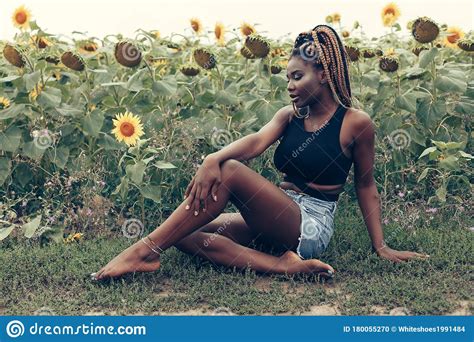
(390, 14)
(190, 69)
(336, 18)
(452, 37)
(204, 58)
(35, 92)
(88, 48)
(127, 128)
(41, 42)
(72, 61)
(424, 30)
(4, 102)
(258, 45)
(21, 17)
(156, 34)
(219, 31)
(246, 29)
(14, 55)
(196, 25)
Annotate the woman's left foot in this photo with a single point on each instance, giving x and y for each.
(136, 258)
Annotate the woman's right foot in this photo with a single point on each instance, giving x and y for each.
(293, 264)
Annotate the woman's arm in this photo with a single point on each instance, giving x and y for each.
(252, 145)
(366, 189)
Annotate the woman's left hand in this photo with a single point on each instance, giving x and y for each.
(399, 256)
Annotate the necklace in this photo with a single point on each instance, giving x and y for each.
(314, 127)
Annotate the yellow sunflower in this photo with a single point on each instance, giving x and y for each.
(246, 29)
(336, 18)
(390, 14)
(4, 102)
(21, 17)
(156, 34)
(35, 92)
(453, 34)
(196, 25)
(219, 31)
(127, 128)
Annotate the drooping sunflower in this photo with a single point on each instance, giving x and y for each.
(88, 47)
(41, 42)
(204, 58)
(390, 14)
(21, 17)
(258, 45)
(466, 44)
(389, 62)
(4, 102)
(73, 61)
(14, 55)
(219, 31)
(127, 128)
(424, 30)
(336, 18)
(453, 34)
(196, 25)
(246, 29)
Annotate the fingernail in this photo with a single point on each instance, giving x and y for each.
(204, 209)
(215, 198)
(195, 213)
(187, 207)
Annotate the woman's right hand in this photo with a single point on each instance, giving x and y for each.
(207, 179)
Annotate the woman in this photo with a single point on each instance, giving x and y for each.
(316, 151)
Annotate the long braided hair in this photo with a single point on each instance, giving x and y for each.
(323, 47)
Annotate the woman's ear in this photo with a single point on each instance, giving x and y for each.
(322, 77)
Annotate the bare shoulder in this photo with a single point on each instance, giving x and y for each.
(360, 122)
(285, 113)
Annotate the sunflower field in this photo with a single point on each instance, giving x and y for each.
(94, 128)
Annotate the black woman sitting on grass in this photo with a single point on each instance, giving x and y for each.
(321, 136)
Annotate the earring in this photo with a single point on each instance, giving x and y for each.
(297, 112)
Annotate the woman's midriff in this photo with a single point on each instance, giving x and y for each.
(329, 189)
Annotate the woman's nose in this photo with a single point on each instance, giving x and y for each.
(290, 86)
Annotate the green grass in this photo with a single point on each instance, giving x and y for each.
(53, 276)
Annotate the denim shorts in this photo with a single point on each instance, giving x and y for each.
(317, 224)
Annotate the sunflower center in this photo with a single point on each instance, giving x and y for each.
(453, 38)
(390, 11)
(127, 129)
(20, 18)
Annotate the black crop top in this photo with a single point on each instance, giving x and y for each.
(314, 157)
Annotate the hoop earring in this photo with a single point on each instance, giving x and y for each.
(297, 113)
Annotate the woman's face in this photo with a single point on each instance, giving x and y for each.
(304, 82)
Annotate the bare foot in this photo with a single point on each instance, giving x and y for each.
(136, 258)
(294, 264)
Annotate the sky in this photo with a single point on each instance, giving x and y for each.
(273, 18)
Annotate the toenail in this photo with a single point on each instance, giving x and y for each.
(195, 213)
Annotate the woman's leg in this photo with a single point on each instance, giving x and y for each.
(266, 209)
(225, 241)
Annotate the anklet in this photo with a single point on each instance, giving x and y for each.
(154, 244)
(154, 250)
